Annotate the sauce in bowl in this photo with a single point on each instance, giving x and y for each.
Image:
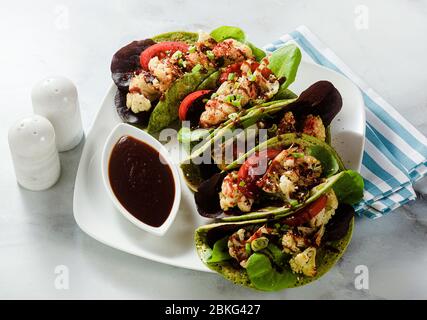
(141, 180)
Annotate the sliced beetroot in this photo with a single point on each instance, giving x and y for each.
(337, 228)
(126, 114)
(192, 107)
(126, 61)
(207, 196)
(320, 99)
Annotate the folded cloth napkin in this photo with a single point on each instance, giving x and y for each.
(395, 154)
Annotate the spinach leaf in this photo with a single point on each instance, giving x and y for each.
(279, 258)
(220, 251)
(257, 52)
(284, 93)
(211, 82)
(166, 111)
(284, 63)
(329, 162)
(264, 277)
(228, 32)
(349, 188)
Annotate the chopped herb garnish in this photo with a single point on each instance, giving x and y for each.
(233, 115)
(236, 103)
(259, 244)
(297, 154)
(182, 63)
(252, 77)
(248, 248)
(242, 183)
(192, 49)
(231, 76)
(229, 98)
(177, 54)
(214, 95)
(210, 55)
(197, 67)
(293, 202)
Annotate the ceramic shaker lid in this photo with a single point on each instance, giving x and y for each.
(56, 99)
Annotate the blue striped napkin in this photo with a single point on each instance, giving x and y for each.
(395, 154)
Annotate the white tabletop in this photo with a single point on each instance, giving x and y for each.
(77, 39)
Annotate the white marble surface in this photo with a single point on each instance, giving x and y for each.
(77, 39)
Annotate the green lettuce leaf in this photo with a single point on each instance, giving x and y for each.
(257, 52)
(264, 277)
(228, 32)
(166, 111)
(349, 188)
(219, 251)
(211, 82)
(329, 162)
(284, 93)
(284, 63)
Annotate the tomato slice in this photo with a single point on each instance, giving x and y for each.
(232, 68)
(159, 49)
(235, 68)
(307, 213)
(254, 66)
(266, 72)
(253, 168)
(189, 101)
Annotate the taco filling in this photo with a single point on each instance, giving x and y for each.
(296, 242)
(288, 177)
(240, 86)
(286, 252)
(165, 62)
(252, 83)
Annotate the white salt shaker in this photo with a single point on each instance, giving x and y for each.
(34, 153)
(56, 99)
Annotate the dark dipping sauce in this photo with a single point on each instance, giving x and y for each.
(141, 181)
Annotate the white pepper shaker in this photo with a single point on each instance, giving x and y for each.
(34, 153)
(56, 99)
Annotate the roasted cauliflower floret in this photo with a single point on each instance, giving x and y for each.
(266, 81)
(305, 262)
(288, 123)
(232, 51)
(216, 112)
(144, 83)
(237, 246)
(231, 196)
(291, 172)
(165, 71)
(286, 186)
(293, 243)
(137, 102)
(313, 126)
(326, 214)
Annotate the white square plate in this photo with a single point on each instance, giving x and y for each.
(97, 216)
